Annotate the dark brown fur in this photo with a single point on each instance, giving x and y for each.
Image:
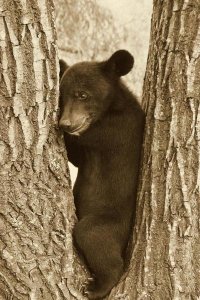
(107, 155)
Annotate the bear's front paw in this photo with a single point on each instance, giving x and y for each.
(88, 287)
(95, 291)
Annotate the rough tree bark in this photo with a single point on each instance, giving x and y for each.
(36, 207)
(166, 255)
(37, 213)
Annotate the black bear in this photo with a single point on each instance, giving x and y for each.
(103, 128)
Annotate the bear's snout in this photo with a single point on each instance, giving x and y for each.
(65, 125)
(74, 128)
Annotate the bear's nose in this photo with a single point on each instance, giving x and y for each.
(65, 124)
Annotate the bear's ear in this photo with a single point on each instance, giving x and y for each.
(120, 63)
(63, 67)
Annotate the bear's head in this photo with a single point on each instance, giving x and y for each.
(87, 89)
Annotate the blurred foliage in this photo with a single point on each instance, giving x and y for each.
(85, 30)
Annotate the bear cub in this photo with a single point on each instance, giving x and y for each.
(103, 128)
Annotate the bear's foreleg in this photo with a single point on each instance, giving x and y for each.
(102, 251)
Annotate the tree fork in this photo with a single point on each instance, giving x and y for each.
(37, 213)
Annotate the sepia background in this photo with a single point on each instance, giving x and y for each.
(38, 260)
(93, 30)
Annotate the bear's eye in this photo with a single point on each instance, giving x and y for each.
(81, 95)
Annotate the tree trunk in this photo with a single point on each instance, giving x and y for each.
(37, 212)
(166, 255)
(37, 261)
